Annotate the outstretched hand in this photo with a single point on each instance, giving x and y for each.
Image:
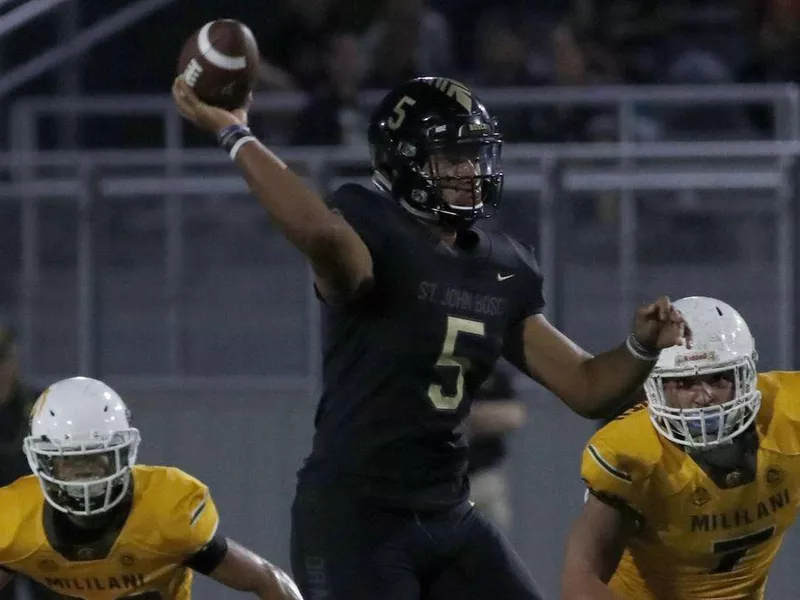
(659, 325)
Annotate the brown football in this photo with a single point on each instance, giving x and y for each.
(220, 62)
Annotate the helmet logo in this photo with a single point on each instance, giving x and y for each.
(38, 406)
(695, 357)
(453, 89)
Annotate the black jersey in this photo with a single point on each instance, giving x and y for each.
(402, 361)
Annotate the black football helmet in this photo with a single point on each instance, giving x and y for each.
(436, 150)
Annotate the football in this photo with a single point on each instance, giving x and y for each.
(220, 63)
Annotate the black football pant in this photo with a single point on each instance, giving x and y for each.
(344, 548)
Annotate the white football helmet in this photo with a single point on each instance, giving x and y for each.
(721, 342)
(81, 446)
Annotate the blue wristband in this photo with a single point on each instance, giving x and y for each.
(231, 138)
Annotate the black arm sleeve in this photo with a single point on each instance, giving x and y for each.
(366, 212)
(532, 288)
(209, 557)
(530, 301)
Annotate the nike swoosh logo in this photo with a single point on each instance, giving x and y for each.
(504, 277)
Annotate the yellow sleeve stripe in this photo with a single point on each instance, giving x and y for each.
(198, 511)
(598, 458)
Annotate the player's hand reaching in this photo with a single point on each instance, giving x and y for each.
(658, 325)
(205, 116)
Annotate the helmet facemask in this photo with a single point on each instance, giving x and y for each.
(709, 426)
(461, 177)
(452, 177)
(84, 477)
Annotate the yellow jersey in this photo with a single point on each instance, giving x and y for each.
(699, 540)
(171, 517)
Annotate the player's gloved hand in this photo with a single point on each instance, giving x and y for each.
(205, 116)
(658, 325)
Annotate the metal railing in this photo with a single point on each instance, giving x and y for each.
(625, 102)
(98, 32)
(27, 12)
(551, 175)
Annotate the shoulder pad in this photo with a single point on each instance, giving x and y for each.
(366, 211)
(778, 419)
(20, 504)
(186, 512)
(619, 459)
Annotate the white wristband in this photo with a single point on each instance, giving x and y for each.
(239, 144)
(638, 351)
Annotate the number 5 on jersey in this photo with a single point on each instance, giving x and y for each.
(448, 360)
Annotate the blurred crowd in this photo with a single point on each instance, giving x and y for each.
(333, 49)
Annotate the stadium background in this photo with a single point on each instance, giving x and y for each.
(650, 149)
